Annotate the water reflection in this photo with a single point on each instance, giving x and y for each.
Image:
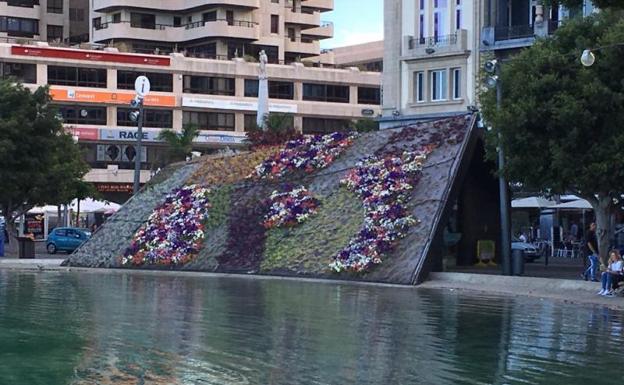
(142, 329)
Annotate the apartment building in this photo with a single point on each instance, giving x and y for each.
(431, 58)
(514, 24)
(434, 49)
(93, 88)
(366, 56)
(54, 21)
(287, 30)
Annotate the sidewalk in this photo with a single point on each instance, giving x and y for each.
(566, 290)
(40, 252)
(48, 264)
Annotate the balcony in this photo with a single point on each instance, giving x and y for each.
(325, 31)
(302, 46)
(21, 11)
(169, 5)
(301, 18)
(508, 37)
(441, 45)
(322, 5)
(239, 29)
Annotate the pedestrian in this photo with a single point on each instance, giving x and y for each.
(613, 275)
(591, 250)
(3, 235)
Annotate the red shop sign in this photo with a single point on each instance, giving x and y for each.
(97, 56)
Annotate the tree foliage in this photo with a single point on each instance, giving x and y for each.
(39, 161)
(179, 145)
(561, 124)
(603, 4)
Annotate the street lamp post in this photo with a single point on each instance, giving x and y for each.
(493, 68)
(142, 88)
(137, 157)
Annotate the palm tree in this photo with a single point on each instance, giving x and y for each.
(179, 144)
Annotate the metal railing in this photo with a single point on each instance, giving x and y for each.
(432, 41)
(513, 32)
(195, 24)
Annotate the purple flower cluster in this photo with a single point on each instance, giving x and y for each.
(290, 208)
(309, 153)
(385, 185)
(174, 231)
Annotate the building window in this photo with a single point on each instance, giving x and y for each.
(97, 23)
(152, 118)
(16, 26)
(25, 73)
(55, 6)
(250, 122)
(209, 85)
(457, 83)
(218, 121)
(325, 93)
(209, 16)
(421, 20)
(419, 86)
(116, 18)
(142, 20)
(274, 24)
(76, 14)
(55, 33)
(439, 17)
(22, 3)
(369, 95)
(74, 114)
(277, 90)
(177, 21)
(458, 12)
(325, 126)
(439, 85)
(75, 76)
(159, 82)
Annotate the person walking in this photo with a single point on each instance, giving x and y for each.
(3, 235)
(591, 246)
(613, 275)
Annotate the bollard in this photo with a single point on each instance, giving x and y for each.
(517, 262)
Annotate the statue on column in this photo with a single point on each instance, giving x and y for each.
(263, 92)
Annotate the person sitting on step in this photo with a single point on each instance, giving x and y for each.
(613, 275)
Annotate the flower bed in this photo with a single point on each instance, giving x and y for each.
(385, 185)
(174, 232)
(290, 208)
(309, 153)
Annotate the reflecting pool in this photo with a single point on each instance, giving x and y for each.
(92, 328)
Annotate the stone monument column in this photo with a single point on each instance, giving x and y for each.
(263, 92)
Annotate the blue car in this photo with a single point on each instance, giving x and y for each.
(66, 239)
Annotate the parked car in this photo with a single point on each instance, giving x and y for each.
(66, 239)
(531, 253)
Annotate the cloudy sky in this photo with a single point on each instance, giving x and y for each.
(355, 21)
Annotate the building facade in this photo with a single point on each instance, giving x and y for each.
(93, 89)
(434, 53)
(287, 30)
(430, 59)
(54, 21)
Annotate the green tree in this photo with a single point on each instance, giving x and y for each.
(179, 145)
(39, 161)
(561, 124)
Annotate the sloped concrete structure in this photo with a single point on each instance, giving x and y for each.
(456, 193)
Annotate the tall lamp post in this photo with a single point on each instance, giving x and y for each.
(492, 67)
(142, 88)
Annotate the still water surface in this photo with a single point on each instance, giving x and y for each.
(143, 329)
